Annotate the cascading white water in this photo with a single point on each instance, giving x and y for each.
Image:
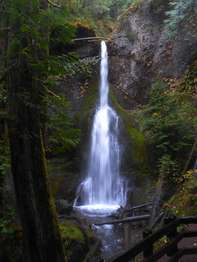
(103, 187)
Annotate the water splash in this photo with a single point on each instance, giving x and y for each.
(103, 187)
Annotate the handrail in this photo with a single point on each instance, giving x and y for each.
(167, 230)
(174, 242)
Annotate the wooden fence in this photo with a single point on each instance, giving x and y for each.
(171, 232)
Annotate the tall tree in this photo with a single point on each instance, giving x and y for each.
(27, 51)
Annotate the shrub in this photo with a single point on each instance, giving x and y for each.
(180, 11)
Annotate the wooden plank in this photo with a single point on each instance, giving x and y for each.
(183, 252)
(138, 248)
(188, 220)
(188, 234)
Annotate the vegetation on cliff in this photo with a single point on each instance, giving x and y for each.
(169, 122)
(183, 202)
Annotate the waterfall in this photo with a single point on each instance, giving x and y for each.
(103, 186)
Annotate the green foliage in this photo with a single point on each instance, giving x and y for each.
(88, 103)
(6, 221)
(168, 168)
(71, 231)
(69, 65)
(184, 202)
(118, 6)
(169, 124)
(98, 14)
(63, 135)
(189, 83)
(31, 29)
(136, 3)
(11, 241)
(180, 10)
(98, 8)
(3, 97)
(4, 159)
(81, 67)
(76, 240)
(136, 139)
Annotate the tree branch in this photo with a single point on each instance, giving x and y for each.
(54, 4)
(93, 38)
(52, 93)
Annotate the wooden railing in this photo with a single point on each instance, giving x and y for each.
(169, 230)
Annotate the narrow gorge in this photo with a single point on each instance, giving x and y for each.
(98, 130)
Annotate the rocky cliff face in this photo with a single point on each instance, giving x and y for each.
(141, 51)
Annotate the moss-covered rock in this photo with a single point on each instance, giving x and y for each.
(77, 240)
(89, 103)
(63, 182)
(135, 152)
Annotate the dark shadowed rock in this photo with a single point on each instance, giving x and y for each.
(63, 207)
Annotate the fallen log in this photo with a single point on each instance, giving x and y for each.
(125, 210)
(53, 4)
(124, 220)
(95, 38)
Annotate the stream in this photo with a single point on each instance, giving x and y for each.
(114, 238)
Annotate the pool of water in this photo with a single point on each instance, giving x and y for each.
(114, 238)
(97, 210)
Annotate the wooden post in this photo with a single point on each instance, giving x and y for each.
(148, 250)
(171, 235)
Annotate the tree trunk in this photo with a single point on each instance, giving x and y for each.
(35, 205)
